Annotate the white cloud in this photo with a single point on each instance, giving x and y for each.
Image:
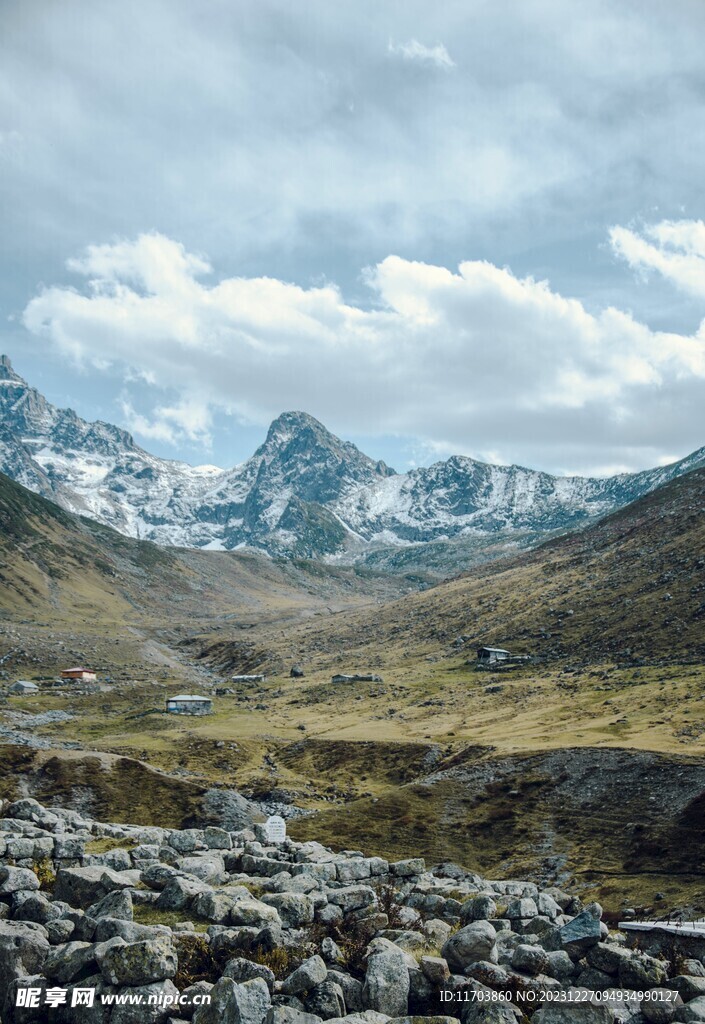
(415, 51)
(676, 249)
(477, 359)
(187, 421)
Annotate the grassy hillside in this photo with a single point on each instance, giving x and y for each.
(58, 567)
(585, 765)
(630, 587)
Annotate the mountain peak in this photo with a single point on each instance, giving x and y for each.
(289, 423)
(6, 371)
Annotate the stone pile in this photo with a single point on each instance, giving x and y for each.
(298, 934)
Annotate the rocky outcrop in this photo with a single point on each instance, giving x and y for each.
(219, 927)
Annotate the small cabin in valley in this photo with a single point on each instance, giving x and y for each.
(24, 686)
(189, 704)
(84, 675)
(491, 655)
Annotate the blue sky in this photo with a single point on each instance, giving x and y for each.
(439, 228)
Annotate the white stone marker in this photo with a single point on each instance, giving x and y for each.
(276, 829)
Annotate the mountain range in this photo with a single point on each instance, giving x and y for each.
(303, 493)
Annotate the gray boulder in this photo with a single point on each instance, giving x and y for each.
(326, 1000)
(240, 970)
(17, 879)
(116, 904)
(232, 1003)
(139, 963)
(209, 868)
(660, 1006)
(23, 949)
(164, 996)
(476, 941)
(36, 907)
(294, 909)
(253, 913)
(692, 1012)
(290, 1015)
(386, 985)
(352, 897)
(82, 887)
(479, 908)
(310, 973)
(642, 972)
(179, 892)
(488, 1013)
(573, 1013)
(580, 934)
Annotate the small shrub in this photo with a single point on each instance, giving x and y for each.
(277, 960)
(389, 905)
(353, 946)
(44, 871)
(197, 961)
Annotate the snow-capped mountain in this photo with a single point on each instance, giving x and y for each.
(304, 492)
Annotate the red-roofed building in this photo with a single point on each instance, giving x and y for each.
(85, 675)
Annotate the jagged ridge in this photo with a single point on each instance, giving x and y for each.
(304, 492)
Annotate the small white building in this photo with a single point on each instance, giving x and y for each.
(189, 704)
(491, 655)
(24, 686)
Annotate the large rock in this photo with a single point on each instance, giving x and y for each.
(476, 941)
(309, 974)
(291, 1015)
(573, 1013)
(240, 970)
(213, 906)
(82, 887)
(692, 1012)
(659, 1006)
(352, 897)
(254, 913)
(164, 995)
(17, 879)
(116, 904)
(607, 957)
(23, 949)
(36, 907)
(326, 1000)
(209, 868)
(235, 1004)
(488, 1013)
(179, 892)
(386, 985)
(66, 962)
(479, 908)
(295, 909)
(580, 934)
(139, 963)
(642, 972)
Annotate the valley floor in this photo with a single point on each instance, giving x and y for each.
(592, 775)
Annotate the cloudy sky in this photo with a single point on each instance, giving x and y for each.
(470, 227)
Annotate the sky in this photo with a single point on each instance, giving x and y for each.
(458, 228)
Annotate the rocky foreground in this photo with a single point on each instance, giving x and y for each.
(297, 934)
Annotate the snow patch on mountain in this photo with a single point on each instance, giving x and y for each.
(304, 492)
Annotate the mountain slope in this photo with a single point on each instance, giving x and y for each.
(304, 492)
(630, 586)
(62, 568)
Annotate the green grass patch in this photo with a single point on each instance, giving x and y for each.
(145, 913)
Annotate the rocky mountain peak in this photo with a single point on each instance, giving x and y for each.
(7, 372)
(304, 491)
